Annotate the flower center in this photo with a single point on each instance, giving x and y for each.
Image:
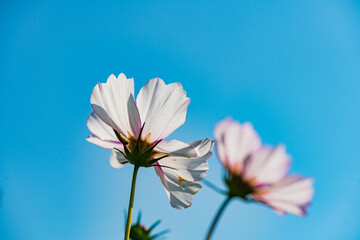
(238, 187)
(139, 151)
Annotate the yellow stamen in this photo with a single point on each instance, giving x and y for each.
(125, 138)
(180, 179)
(130, 136)
(252, 181)
(148, 138)
(157, 154)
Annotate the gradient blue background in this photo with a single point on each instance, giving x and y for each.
(292, 68)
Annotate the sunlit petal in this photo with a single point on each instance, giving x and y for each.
(113, 102)
(117, 160)
(177, 148)
(178, 189)
(162, 107)
(102, 134)
(191, 168)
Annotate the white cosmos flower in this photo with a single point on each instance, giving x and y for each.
(159, 110)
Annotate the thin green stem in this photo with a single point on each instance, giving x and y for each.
(217, 217)
(214, 187)
(131, 203)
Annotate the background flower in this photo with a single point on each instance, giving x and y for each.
(259, 173)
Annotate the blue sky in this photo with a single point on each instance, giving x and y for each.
(289, 67)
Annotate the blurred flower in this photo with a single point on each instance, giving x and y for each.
(142, 232)
(259, 173)
(135, 133)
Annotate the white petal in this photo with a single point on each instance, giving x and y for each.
(292, 194)
(178, 190)
(177, 148)
(117, 160)
(179, 183)
(191, 169)
(104, 144)
(235, 142)
(203, 146)
(268, 165)
(114, 103)
(162, 108)
(103, 135)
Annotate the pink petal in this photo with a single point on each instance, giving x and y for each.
(219, 134)
(268, 165)
(292, 194)
(234, 143)
(160, 173)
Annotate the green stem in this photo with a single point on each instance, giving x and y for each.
(217, 217)
(131, 203)
(214, 187)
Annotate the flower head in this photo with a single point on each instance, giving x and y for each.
(135, 132)
(259, 173)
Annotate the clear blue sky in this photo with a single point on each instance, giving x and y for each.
(292, 68)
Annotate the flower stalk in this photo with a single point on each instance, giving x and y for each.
(217, 217)
(131, 203)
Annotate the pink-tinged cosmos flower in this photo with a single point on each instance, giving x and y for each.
(135, 132)
(259, 173)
